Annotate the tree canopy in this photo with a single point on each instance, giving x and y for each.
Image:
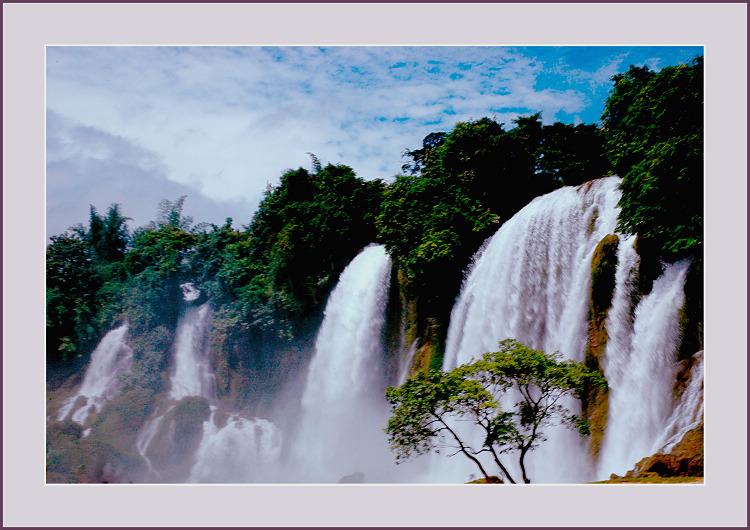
(460, 186)
(654, 127)
(265, 277)
(511, 396)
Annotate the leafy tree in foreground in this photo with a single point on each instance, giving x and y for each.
(429, 407)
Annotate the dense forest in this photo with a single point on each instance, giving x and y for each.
(267, 281)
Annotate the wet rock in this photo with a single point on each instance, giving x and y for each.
(685, 460)
(354, 478)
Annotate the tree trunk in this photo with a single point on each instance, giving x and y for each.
(464, 451)
(501, 466)
(526, 480)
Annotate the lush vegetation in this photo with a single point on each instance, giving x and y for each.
(459, 187)
(278, 270)
(267, 282)
(428, 407)
(654, 126)
(268, 278)
(303, 234)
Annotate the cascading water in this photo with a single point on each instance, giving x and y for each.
(406, 361)
(192, 374)
(149, 430)
(640, 367)
(241, 449)
(531, 282)
(689, 412)
(111, 358)
(232, 447)
(343, 408)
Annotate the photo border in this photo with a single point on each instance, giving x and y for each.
(721, 28)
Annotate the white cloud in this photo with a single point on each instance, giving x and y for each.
(88, 166)
(226, 121)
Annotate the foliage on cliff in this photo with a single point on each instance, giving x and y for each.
(462, 185)
(266, 276)
(457, 188)
(307, 229)
(654, 127)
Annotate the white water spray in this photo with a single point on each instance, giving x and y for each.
(192, 375)
(343, 407)
(111, 358)
(531, 283)
(689, 412)
(241, 450)
(640, 366)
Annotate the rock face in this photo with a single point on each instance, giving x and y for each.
(685, 460)
(355, 478)
(177, 436)
(426, 333)
(603, 267)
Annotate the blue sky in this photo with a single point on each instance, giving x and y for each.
(135, 125)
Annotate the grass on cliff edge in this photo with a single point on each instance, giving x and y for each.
(652, 480)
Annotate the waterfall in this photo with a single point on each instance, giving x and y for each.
(145, 437)
(111, 358)
(191, 370)
(343, 407)
(531, 282)
(640, 366)
(192, 375)
(240, 450)
(407, 358)
(689, 412)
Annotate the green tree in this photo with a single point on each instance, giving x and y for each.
(571, 155)
(307, 229)
(162, 249)
(654, 127)
(428, 406)
(420, 157)
(216, 262)
(461, 185)
(72, 284)
(170, 214)
(108, 235)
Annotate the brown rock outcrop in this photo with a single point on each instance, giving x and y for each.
(685, 460)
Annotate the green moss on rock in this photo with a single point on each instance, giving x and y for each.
(595, 402)
(598, 412)
(428, 331)
(189, 415)
(603, 267)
